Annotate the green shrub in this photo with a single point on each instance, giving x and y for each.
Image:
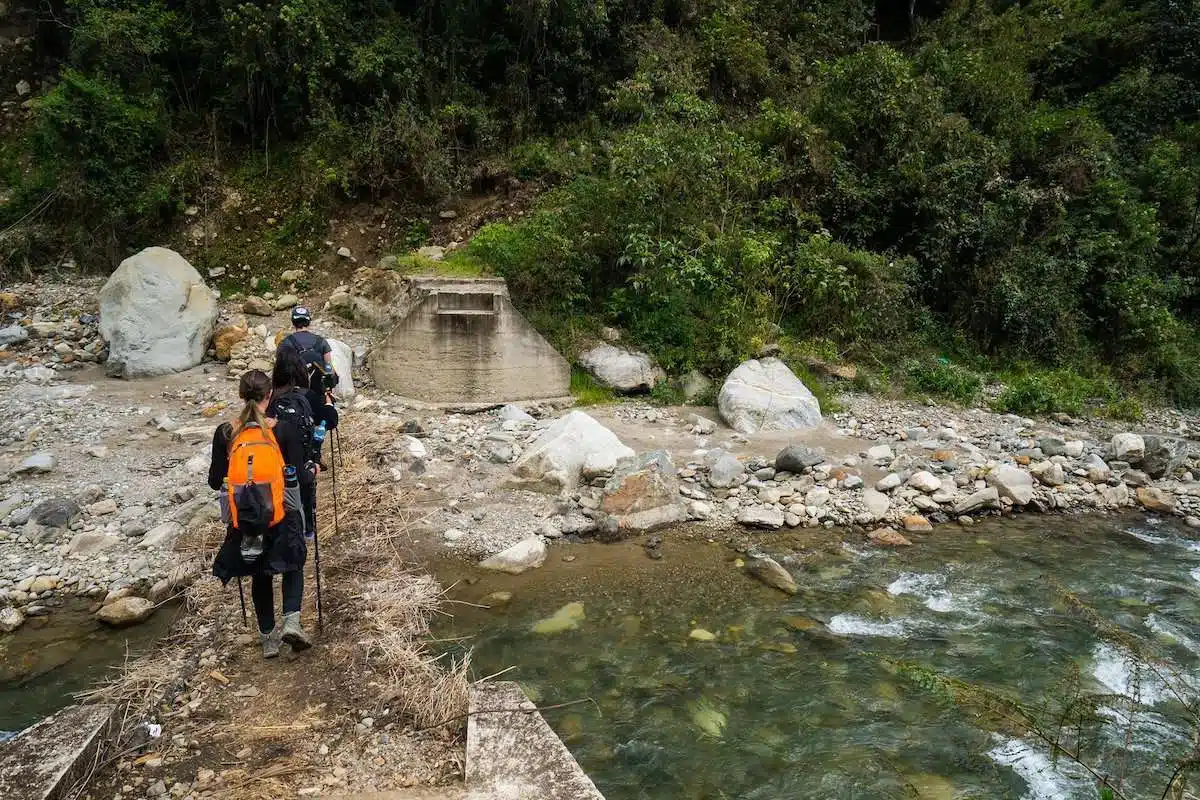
(667, 393)
(940, 378)
(587, 391)
(1050, 392)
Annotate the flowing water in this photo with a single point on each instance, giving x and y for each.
(839, 692)
(50, 658)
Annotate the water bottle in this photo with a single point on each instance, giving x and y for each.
(290, 478)
(319, 434)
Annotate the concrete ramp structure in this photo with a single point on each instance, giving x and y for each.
(461, 341)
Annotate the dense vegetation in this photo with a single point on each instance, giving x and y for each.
(999, 183)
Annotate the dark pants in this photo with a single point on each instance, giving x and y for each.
(262, 592)
(308, 496)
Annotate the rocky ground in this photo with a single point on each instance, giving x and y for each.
(104, 497)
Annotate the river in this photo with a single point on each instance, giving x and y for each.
(936, 671)
(50, 658)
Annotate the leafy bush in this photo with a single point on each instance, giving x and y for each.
(587, 391)
(1049, 392)
(940, 378)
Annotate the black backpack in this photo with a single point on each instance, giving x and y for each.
(295, 409)
(306, 343)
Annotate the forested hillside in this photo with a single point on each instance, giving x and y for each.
(1011, 186)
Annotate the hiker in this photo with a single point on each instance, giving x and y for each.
(253, 465)
(317, 356)
(308, 411)
(312, 347)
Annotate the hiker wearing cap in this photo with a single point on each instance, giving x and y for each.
(317, 355)
(253, 466)
(312, 347)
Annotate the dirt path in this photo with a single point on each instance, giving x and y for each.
(342, 716)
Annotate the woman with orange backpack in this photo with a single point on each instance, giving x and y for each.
(254, 463)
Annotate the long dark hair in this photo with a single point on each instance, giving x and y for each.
(253, 388)
(289, 372)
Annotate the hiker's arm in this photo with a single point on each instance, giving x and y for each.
(218, 467)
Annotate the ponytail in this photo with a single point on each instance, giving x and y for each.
(253, 388)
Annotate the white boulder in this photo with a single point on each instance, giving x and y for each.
(1128, 447)
(764, 395)
(526, 554)
(558, 455)
(157, 315)
(621, 369)
(343, 364)
(1011, 482)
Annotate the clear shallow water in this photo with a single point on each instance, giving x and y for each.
(48, 659)
(801, 697)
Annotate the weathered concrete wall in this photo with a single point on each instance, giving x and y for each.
(465, 342)
(44, 761)
(515, 754)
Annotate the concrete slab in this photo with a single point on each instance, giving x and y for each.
(461, 341)
(515, 755)
(44, 761)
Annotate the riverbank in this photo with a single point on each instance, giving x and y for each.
(113, 505)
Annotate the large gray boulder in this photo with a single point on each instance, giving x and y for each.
(1163, 454)
(621, 369)
(764, 395)
(157, 315)
(558, 455)
(343, 364)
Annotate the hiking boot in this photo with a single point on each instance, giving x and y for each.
(294, 633)
(271, 642)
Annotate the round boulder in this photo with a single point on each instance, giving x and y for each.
(157, 315)
(621, 369)
(764, 395)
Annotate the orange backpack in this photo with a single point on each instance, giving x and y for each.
(254, 481)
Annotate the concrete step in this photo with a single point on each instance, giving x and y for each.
(44, 761)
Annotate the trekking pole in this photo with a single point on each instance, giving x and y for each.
(242, 597)
(317, 553)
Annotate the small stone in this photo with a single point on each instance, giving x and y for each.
(286, 301)
(453, 534)
(889, 482)
(701, 635)
(38, 463)
(888, 537)
(103, 508)
(915, 523)
(344, 252)
(769, 571)
(23, 88)
(925, 482)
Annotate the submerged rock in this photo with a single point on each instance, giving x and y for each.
(770, 572)
(702, 635)
(566, 618)
(888, 537)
